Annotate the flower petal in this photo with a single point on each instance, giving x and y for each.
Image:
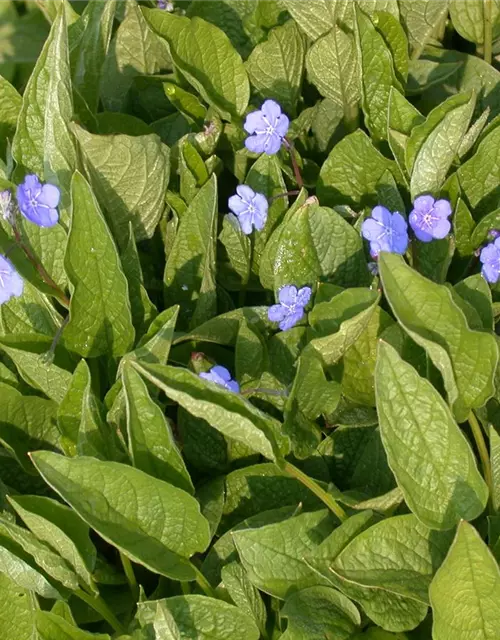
(237, 205)
(303, 296)
(442, 208)
(490, 273)
(233, 386)
(489, 253)
(399, 224)
(260, 202)
(50, 196)
(256, 143)
(272, 144)
(245, 192)
(271, 110)
(282, 125)
(221, 372)
(382, 215)
(423, 236)
(246, 222)
(254, 122)
(441, 228)
(371, 229)
(277, 313)
(292, 319)
(32, 183)
(287, 295)
(399, 243)
(423, 203)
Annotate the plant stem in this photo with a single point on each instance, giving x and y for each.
(488, 31)
(313, 486)
(130, 575)
(477, 432)
(296, 170)
(58, 293)
(244, 284)
(295, 192)
(99, 605)
(203, 583)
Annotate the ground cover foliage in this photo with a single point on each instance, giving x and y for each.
(249, 294)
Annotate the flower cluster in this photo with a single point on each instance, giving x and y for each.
(290, 309)
(388, 231)
(37, 203)
(267, 127)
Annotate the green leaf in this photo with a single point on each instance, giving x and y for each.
(391, 29)
(399, 555)
(344, 179)
(213, 67)
(26, 423)
(31, 313)
(377, 74)
(211, 496)
(17, 610)
(478, 176)
(203, 618)
(466, 359)
(483, 228)
(340, 322)
(358, 383)
(227, 412)
(476, 292)
(495, 467)
(69, 411)
(151, 441)
(164, 623)
(275, 67)
(317, 17)
(317, 243)
(469, 18)
(52, 627)
(244, 594)
(258, 488)
(114, 163)
(134, 51)
(190, 270)
(62, 529)
(319, 612)
(418, 429)
(13, 566)
(466, 590)
(89, 52)
(152, 522)
(402, 118)
(100, 318)
(273, 555)
(433, 145)
(463, 224)
(421, 18)
(332, 65)
(29, 355)
(50, 562)
(10, 107)
(43, 143)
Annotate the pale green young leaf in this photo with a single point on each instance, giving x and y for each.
(18, 570)
(343, 179)
(50, 626)
(433, 145)
(17, 610)
(129, 175)
(212, 66)
(224, 410)
(391, 29)
(62, 529)
(164, 623)
(203, 618)
(466, 359)
(152, 522)
(429, 455)
(70, 407)
(275, 67)
(319, 612)
(89, 52)
(466, 590)
(332, 65)
(244, 594)
(151, 441)
(135, 50)
(401, 118)
(273, 555)
(190, 269)
(100, 317)
(468, 19)
(317, 17)
(495, 467)
(477, 293)
(10, 107)
(421, 19)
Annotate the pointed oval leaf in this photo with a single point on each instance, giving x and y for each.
(427, 452)
(152, 522)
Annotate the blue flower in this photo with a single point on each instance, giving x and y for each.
(165, 4)
(490, 257)
(249, 207)
(385, 231)
(11, 283)
(267, 126)
(38, 203)
(6, 206)
(429, 218)
(222, 377)
(290, 310)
